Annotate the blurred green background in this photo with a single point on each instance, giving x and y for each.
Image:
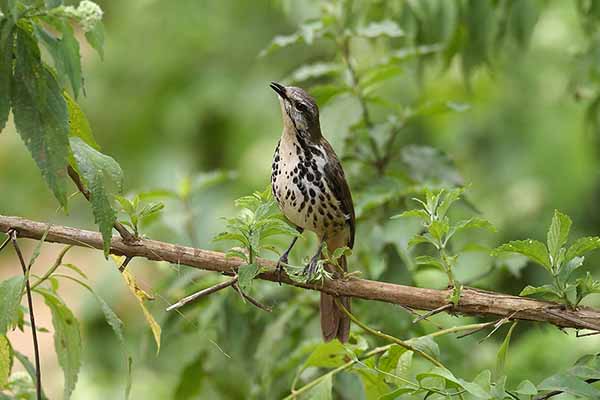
(182, 92)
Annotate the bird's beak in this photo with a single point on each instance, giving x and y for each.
(279, 89)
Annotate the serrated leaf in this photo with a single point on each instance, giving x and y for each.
(542, 290)
(327, 355)
(6, 361)
(448, 200)
(503, 351)
(246, 274)
(64, 52)
(104, 215)
(11, 291)
(40, 114)
(427, 345)
(95, 38)
(582, 246)
(382, 28)
(471, 223)
(568, 268)
(533, 249)
(6, 62)
(570, 384)
(79, 125)
(558, 233)
(67, 339)
(378, 75)
(586, 286)
(142, 297)
(439, 229)
(428, 260)
(389, 360)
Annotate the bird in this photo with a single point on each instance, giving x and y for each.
(310, 188)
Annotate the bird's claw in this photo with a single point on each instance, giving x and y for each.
(311, 269)
(280, 263)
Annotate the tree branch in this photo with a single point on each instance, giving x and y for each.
(472, 302)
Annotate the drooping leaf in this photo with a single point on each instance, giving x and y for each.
(11, 291)
(6, 62)
(65, 53)
(316, 70)
(40, 114)
(6, 361)
(558, 233)
(103, 177)
(582, 246)
(95, 38)
(67, 339)
(527, 388)
(142, 297)
(413, 213)
(533, 249)
(471, 387)
(471, 223)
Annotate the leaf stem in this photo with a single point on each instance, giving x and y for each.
(52, 269)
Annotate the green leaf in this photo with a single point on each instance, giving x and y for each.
(322, 391)
(389, 360)
(29, 368)
(470, 224)
(95, 38)
(373, 381)
(569, 384)
(11, 291)
(78, 123)
(533, 249)
(582, 246)
(6, 61)
(503, 351)
(428, 345)
(412, 213)
(450, 198)
(9, 8)
(378, 75)
(542, 290)
(527, 388)
(382, 28)
(471, 387)
(99, 173)
(558, 234)
(439, 229)
(64, 52)
(67, 339)
(327, 355)
(569, 268)
(6, 361)
(586, 286)
(40, 114)
(246, 274)
(431, 261)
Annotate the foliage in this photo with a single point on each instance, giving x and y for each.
(385, 73)
(559, 261)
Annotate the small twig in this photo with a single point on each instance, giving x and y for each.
(484, 326)
(202, 293)
(125, 263)
(497, 326)
(557, 392)
(433, 312)
(387, 337)
(53, 268)
(251, 299)
(5, 243)
(127, 236)
(36, 350)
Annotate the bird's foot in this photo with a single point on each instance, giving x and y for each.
(311, 268)
(283, 260)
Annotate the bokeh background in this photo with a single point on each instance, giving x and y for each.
(182, 92)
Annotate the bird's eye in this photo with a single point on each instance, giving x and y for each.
(301, 107)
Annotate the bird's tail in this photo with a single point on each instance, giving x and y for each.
(334, 322)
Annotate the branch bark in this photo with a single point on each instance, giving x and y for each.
(472, 302)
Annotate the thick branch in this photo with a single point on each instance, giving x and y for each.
(472, 302)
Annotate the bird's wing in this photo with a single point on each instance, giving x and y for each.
(336, 180)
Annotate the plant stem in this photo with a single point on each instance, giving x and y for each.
(36, 349)
(57, 263)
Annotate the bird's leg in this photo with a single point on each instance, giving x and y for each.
(311, 267)
(284, 257)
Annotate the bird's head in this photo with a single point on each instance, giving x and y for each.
(299, 110)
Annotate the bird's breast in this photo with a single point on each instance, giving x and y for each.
(300, 187)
